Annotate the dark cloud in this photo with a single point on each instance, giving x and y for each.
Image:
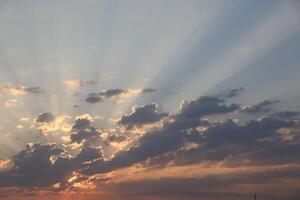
(181, 123)
(94, 98)
(232, 92)
(117, 138)
(89, 153)
(206, 105)
(84, 134)
(261, 107)
(148, 90)
(81, 123)
(218, 142)
(182, 139)
(286, 114)
(34, 166)
(256, 143)
(150, 145)
(112, 92)
(107, 94)
(34, 90)
(102, 96)
(19, 89)
(146, 114)
(82, 130)
(45, 118)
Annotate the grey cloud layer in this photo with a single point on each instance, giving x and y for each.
(259, 142)
(33, 166)
(261, 107)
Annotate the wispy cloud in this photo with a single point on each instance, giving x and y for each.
(15, 90)
(76, 83)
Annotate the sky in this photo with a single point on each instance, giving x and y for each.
(149, 99)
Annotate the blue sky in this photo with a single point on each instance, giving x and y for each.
(131, 69)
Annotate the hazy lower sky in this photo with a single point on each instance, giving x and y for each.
(149, 99)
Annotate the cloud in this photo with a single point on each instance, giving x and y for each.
(30, 166)
(232, 92)
(106, 94)
(42, 165)
(45, 118)
(5, 165)
(84, 134)
(182, 141)
(216, 141)
(149, 90)
(16, 90)
(11, 102)
(48, 123)
(286, 114)
(81, 123)
(82, 129)
(112, 92)
(146, 114)
(263, 106)
(206, 105)
(115, 93)
(117, 138)
(94, 98)
(76, 83)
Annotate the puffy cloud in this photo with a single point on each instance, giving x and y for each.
(216, 141)
(263, 106)
(81, 123)
(146, 114)
(48, 123)
(182, 140)
(42, 165)
(45, 118)
(5, 165)
(88, 153)
(84, 134)
(30, 166)
(204, 106)
(94, 98)
(82, 129)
